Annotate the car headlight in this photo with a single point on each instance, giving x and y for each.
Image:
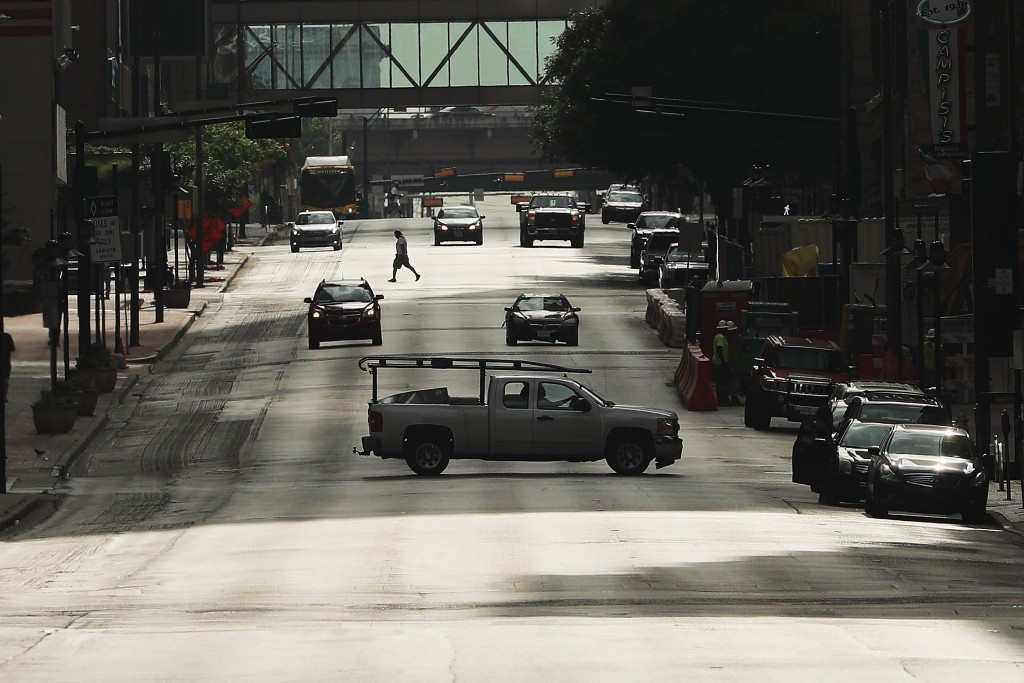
(667, 427)
(531, 218)
(296, 232)
(335, 229)
(369, 312)
(474, 226)
(575, 218)
(442, 226)
(979, 478)
(887, 472)
(776, 384)
(845, 462)
(573, 321)
(315, 314)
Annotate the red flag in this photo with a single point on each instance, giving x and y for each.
(243, 205)
(213, 230)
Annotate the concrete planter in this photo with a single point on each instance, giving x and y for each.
(54, 419)
(99, 380)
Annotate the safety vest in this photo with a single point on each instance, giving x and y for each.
(720, 352)
(929, 355)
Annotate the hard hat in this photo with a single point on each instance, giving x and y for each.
(732, 325)
(930, 334)
(722, 325)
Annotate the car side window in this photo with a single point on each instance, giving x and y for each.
(552, 396)
(516, 395)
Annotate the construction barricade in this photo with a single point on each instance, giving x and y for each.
(672, 325)
(693, 379)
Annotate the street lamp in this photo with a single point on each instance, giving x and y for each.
(935, 265)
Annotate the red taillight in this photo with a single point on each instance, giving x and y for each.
(375, 420)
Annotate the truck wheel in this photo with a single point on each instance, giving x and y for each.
(295, 249)
(437, 241)
(428, 456)
(314, 343)
(576, 242)
(628, 456)
(510, 339)
(573, 339)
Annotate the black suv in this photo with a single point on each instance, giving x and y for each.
(896, 408)
(841, 394)
(552, 217)
(646, 223)
(792, 378)
(343, 309)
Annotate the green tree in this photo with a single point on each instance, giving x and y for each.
(735, 65)
(231, 163)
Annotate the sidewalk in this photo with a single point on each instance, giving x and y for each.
(37, 463)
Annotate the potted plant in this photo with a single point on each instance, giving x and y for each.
(54, 412)
(178, 294)
(85, 396)
(96, 369)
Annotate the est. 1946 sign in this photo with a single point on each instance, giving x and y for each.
(102, 211)
(943, 11)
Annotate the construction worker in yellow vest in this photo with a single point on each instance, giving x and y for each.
(720, 363)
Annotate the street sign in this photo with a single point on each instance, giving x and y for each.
(103, 213)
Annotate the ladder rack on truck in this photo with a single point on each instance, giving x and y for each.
(372, 364)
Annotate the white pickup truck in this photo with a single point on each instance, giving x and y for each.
(528, 415)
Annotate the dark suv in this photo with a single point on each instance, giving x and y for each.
(552, 217)
(343, 309)
(896, 408)
(792, 378)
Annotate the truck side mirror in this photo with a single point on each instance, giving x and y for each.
(308, 300)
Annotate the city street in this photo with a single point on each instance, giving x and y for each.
(221, 527)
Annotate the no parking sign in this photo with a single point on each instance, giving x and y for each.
(103, 213)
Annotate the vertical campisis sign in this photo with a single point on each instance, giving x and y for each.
(944, 70)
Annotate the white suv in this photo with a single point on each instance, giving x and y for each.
(315, 229)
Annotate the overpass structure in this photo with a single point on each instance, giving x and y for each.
(385, 53)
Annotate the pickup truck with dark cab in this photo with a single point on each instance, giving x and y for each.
(552, 217)
(529, 414)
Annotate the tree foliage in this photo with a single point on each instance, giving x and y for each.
(231, 163)
(715, 58)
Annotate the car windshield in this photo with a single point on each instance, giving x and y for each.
(543, 303)
(660, 242)
(938, 444)
(864, 435)
(656, 221)
(619, 196)
(330, 294)
(315, 219)
(553, 202)
(679, 256)
(807, 359)
(895, 413)
(459, 212)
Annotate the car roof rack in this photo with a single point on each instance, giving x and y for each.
(372, 364)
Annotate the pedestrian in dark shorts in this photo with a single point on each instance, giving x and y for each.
(401, 256)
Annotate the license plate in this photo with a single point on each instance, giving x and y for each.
(543, 333)
(458, 233)
(805, 410)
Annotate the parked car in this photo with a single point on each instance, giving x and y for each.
(835, 465)
(525, 414)
(458, 224)
(680, 268)
(542, 317)
(315, 229)
(646, 223)
(342, 310)
(552, 217)
(792, 378)
(653, 253)
(896, 408)
(623, 205)
(926, 468)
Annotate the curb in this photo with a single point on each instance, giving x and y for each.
(14, 515)
(1006, 524)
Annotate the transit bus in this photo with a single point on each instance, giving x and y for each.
(329, 184)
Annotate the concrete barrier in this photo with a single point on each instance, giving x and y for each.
(693, 380)
(655, 300)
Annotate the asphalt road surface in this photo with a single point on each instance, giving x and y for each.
(221, 529)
